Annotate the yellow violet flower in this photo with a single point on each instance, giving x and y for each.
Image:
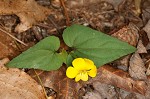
(82, 68)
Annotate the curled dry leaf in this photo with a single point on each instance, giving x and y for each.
(16, 84)
(141, 48)
(147, 29)
(137, 69)
(8, 46)
(28, 11)
(119, 78)
(64, 87)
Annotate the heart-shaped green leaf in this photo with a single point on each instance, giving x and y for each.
(94, 45)
(41, 56)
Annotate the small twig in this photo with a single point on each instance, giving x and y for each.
(54, 29)
(41, 84)
(57, 28)
(65, 12)
(47, 27)
(4, 31)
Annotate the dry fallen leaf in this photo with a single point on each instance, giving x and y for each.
(16, 84)
(105, 91)
(128, 34)
(64, 87)
(147, 29)
(119, 78)
(141, 48)
(148, 65)
(93, 95)
(148, 46)
(8, 47)
(137, 68)
(28, 11)
(81, 3)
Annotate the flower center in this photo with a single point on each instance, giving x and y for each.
(82, 72)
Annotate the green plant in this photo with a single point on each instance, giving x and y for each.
(84, 42)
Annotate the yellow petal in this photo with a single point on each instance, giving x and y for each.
(79, 64)
(92, 72)
(71, 72)
(78, 77)
(89, 61)
(84, 76)
(89, 64)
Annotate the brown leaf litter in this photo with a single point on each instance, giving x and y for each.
(130, 35)
(16, 84)
(137, 68)
(136, 64)
(101, 16)
(8, 46)
(64, 87)
(141, 48)
(147, 29)
(28, 11)
(109, 75)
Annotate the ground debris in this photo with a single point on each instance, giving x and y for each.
(16, 84)
(137, 68)
(28, 11)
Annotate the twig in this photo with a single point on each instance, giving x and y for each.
(47, 27)
(65, 12)
(57, 28)
(41, 84)
(6, 32)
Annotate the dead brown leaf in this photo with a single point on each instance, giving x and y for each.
(93, 95)
(106, 91)
(148, 46)
(141, 48)
(119, 78)
(65, 88)
(77, 3)
(8, 46)
(147, 29)
(137, 69)
(28, 11)
(145, 11)
(16, 84)
(128, 34)
(148, 65)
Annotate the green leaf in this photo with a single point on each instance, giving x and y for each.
(41, 56)
(70, 58)
(95, 45)
(63, 56)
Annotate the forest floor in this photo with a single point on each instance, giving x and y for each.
(23, 23)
